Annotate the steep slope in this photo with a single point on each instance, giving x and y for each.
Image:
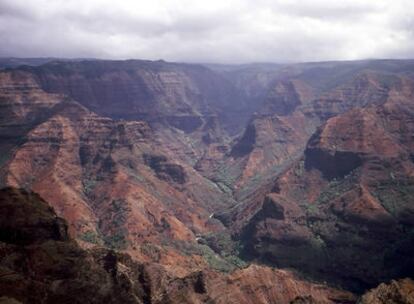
(298, 100)
(188, 106)
(179, 95)
(23, 105)
(112, 180)
(321, 179)
(344, 213)
(39, 263)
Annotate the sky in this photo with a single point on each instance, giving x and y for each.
(208, 31)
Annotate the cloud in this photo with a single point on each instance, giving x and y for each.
(208, 31)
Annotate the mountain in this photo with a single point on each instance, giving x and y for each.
(217, 174)
(40, 263)
(297, 100)
(13, 62)
(183, 96)
(343, 211)
(112, 180)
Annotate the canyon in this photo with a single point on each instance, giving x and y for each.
(155, 182)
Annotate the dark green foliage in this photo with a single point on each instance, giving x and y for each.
(395, 194)
(300, 168)
(225, 260)
(119, 210)
(116, 240)
(90, 237)
(221, 243)
(337, 187)
(114, 232)
(89, 185)
(226, 177)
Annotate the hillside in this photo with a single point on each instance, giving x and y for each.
(258, 178)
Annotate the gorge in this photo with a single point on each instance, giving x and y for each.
(156, 182)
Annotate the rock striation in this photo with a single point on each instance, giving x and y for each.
(40, 263)
(182, 183)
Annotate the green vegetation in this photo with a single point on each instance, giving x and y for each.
(394, 194)
(89, 185)
(119, 211)
(311, 209)
(151, 250)
(226, 248)
(317, 242)
(227, 175)
(90, 237)
(337, 187)
(116, 240)
(222, 243)
(300, 169)
(265, 177)
(224, 263)
(224, 188)
(133, 170)
(219, 251)
(214, 260)
(113, 234)
(116, 217)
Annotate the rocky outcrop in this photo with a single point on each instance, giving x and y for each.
(164, 170)
(178, 101)
(246, 144)
(23, 105)
(40, 264)
(300, 99)
(366, 88)
(94, 171)
(395, 292)
(284, 97)
(27, 220)
(139, 157)
(145, 90)
(349, 200)
(333, 164)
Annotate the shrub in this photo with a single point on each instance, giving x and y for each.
(116, 240)
(90, 236)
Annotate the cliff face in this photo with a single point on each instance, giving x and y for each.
(142, 158)
(343, 212)
(296, 103)
(41, 264)
(188, 106)
(179, 95)
(23, 105)
(114, 181)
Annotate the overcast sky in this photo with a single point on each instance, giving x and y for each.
(224, 31)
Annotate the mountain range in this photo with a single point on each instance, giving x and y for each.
(154, 182)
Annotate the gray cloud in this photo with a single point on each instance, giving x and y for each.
(208, 31)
